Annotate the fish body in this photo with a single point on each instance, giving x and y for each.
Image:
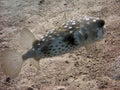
(71, 35)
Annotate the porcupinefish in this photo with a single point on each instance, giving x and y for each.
(70, 36)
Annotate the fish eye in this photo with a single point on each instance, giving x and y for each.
(100, 23)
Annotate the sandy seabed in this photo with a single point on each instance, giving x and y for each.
(77, 70)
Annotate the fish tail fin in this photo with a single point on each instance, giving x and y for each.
(26, 39)
(11, 62)
(22, 40)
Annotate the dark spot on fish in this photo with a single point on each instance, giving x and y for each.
(49, 49)
(51, 46)
(56, 46)
(48, 53)
(63, 49)
(53, 49)
(59, 48)
(66, 46)
(63, 45)
(70, 39)
(45, 49)
(60, 42)
(55, 52)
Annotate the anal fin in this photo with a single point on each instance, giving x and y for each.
(35, 63)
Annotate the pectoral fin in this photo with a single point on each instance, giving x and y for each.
(90, 49)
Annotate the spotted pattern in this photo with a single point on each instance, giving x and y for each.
(57, 47)
(71, 35)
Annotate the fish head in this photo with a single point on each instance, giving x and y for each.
(94, 29)
(100, 29)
